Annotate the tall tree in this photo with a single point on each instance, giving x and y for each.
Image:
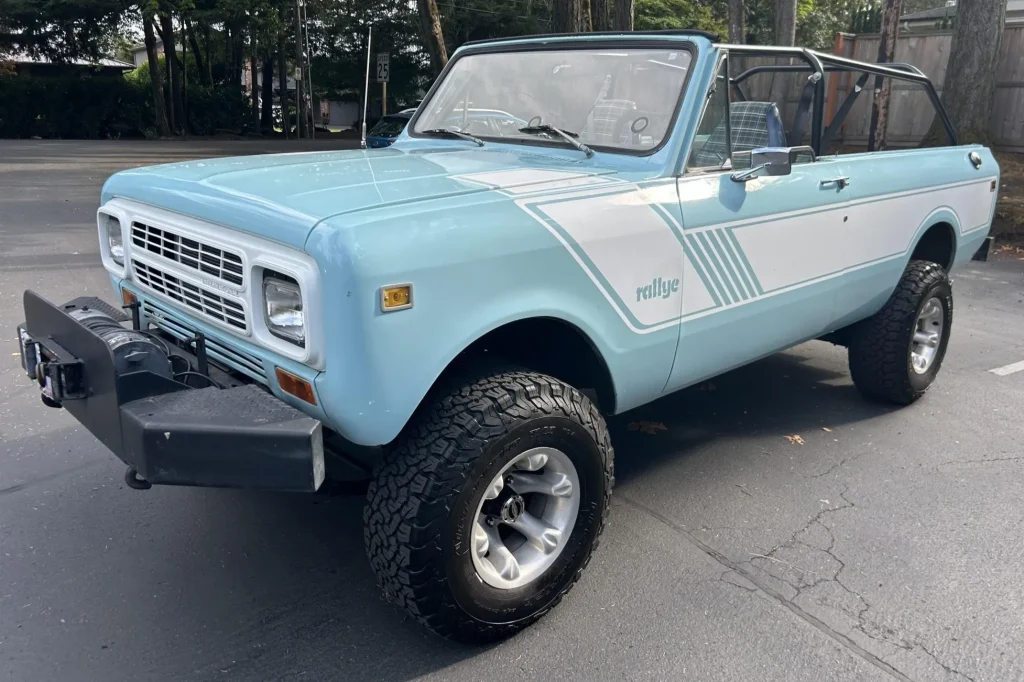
(165, 28)
(785, 22)
(431, 35)
(154, 71)
(624, 11)
(736, 22)
(267, 89)
(282, 74)
(883, 86)
(568, 17)
(600, 15)
(969, 90)
(254, 81)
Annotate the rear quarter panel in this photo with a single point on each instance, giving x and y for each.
(896, 197)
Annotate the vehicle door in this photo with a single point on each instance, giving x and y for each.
(757, 254)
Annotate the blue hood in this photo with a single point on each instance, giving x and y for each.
(283, 196)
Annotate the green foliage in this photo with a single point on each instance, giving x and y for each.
(652, 15)
(62, 30)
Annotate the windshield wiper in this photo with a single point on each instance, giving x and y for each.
(565, 135)
(451, 132)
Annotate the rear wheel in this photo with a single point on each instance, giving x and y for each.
(487, 511)
(896, 354)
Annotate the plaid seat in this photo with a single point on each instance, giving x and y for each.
(604, 118)
(753, 124)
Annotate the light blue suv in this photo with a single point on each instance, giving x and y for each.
(455, 315)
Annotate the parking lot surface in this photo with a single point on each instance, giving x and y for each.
(871, 544)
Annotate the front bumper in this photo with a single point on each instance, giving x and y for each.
(165, 430)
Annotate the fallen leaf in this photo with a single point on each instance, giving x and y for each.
(649, 428)
(826, 429)
(795, 439)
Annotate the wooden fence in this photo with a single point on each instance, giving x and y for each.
(910, 111)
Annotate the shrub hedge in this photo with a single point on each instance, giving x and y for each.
(107, 107)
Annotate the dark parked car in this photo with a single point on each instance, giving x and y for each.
(388, 128)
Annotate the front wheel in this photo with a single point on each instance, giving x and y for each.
(895, 354)
(487, 511)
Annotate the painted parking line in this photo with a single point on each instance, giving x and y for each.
(1008, 369)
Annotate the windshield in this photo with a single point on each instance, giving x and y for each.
(389, 126)
(620, 99)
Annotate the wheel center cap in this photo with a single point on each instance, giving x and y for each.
(513, 508)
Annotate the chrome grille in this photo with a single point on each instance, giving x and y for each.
(218, 351)
(212, 305)
(210, 260)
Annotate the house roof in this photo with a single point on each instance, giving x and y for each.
(22, 58)
(1012, 6)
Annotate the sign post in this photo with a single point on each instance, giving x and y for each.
(383, 75)
(366, 91)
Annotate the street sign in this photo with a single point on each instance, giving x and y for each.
(383, 67)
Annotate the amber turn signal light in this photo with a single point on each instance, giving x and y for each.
(296, 386)
(128, 298)
(395, 297)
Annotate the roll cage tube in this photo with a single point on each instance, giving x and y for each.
(821, 63)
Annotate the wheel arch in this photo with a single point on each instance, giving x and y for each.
(936, 239)
(543, 343)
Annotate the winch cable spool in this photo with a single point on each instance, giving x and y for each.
(133, 351)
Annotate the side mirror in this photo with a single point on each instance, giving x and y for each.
(773, 161)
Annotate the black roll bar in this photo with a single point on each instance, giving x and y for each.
(820, 63)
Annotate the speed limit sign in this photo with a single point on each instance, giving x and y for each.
(383, 68)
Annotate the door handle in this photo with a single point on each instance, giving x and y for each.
(840, 182)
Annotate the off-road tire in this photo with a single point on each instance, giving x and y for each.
(879, 350)
(421, 505)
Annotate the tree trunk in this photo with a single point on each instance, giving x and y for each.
(431, 34)
(209, 54)
(201, 63)
(624, 10)
(154, 77)
(300, 80)
(883, 86)
(970, 87)
(282, 78)
(254, 81)
(737, 29)
(785, 22)
(267, 114)
(600, 15)
(785, 34)
(567, 17)
(171, 55)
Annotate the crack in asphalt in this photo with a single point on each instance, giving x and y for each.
(948, 669)
(49, 477)
(873, 631)
(981, 461)
(838, 637)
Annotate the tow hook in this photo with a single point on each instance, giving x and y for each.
(134, 481)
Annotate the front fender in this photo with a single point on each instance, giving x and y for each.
(468, 279)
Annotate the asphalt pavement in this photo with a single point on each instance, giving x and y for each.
(889, 545)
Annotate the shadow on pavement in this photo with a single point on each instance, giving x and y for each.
(782, 394)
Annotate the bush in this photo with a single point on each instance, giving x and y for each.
(84, 106)
(72, 107)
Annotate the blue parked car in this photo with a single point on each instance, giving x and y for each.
(388, 128)
(567, 228)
